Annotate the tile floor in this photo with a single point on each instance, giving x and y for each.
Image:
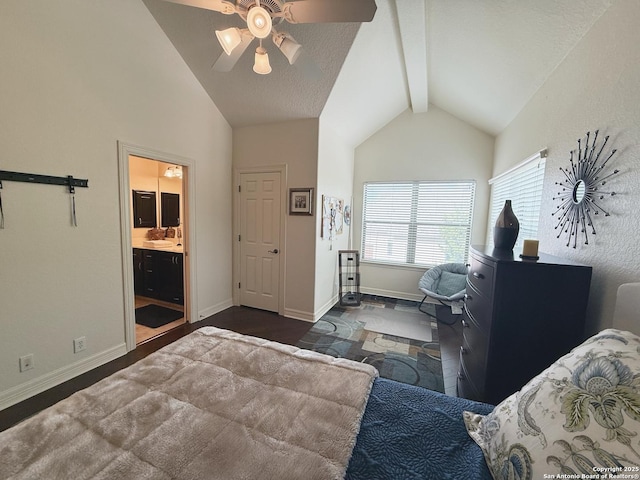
(144, 334)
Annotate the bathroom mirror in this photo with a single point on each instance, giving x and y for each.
(170, 209)
(583, 189)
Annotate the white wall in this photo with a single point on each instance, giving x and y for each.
(335, 179)
(425, 146)
(596, 87)
(294, 144)
(76, 78)
(371, 87)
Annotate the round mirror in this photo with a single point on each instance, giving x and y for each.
(579, 189)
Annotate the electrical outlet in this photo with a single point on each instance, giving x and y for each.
(79, 344)
(26, 362)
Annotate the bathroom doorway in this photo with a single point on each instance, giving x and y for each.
(156, 239)
(157, 245)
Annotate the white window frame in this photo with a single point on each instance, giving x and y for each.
(522, 185)
(412, 214)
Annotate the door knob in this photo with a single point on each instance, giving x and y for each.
(275, 250)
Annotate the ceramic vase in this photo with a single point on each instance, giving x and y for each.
(506, 229)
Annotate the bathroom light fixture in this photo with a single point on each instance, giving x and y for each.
(173, 172)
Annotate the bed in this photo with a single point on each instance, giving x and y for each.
(409, 432)
(217, 404)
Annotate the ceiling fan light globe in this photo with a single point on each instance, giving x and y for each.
(291, 49)
(261, 64)
(229, 39)
(259, 22)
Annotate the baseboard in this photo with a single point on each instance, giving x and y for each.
(392, 294)
(325, 308)
(38, 385)
(212, 310)
(299, 315)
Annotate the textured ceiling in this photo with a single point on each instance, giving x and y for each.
(487, 58)
(484, 60)
(244, 97)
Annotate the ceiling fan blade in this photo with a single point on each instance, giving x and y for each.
(329, 11)
(226, 62)
(222, 6)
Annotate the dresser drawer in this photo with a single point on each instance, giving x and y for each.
(478, 307)
(465, 387)
(481, 277)
(473, 352)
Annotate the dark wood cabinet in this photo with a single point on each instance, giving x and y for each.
(170, 285)
(519, 317)
(158, 275)
(138, 271)
(144, 209)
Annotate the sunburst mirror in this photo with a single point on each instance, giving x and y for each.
(582, 190)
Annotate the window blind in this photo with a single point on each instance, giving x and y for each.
(417, 223)
(523, 186)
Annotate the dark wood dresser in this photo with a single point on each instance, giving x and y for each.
(519, 317)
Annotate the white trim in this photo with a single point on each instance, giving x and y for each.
(390, 294)
(325, 308)
(541, 154)
(213, 309)
(124, 150)
(396, 266)
(38, 385)
(299, 315)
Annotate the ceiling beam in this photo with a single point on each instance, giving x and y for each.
(412, 23)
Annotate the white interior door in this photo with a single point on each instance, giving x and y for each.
(260, 240)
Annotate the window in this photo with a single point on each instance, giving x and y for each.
(523, 186)
(417, 223)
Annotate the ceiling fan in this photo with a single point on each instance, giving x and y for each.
(262, 15)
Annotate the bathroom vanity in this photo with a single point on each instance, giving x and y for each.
(158, 273)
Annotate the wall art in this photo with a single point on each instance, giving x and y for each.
(301, 201)
(332, 217)
(583, 190)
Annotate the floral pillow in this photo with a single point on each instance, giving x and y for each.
(580, 418)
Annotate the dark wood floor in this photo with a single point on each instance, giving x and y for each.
(450, 338)
(248, 321)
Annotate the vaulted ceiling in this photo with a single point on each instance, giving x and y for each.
(480, 60)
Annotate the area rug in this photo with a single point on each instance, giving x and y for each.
(414, 325)
(213, 405)
(342, 333)
(155, 316)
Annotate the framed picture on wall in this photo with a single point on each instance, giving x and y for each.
(301, 201)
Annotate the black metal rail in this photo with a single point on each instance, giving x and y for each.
(67, 181)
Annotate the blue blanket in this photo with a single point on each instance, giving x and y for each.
(409, 432)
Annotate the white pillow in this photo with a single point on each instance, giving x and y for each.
(581, 416)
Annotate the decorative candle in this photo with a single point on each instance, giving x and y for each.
(530, 248)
